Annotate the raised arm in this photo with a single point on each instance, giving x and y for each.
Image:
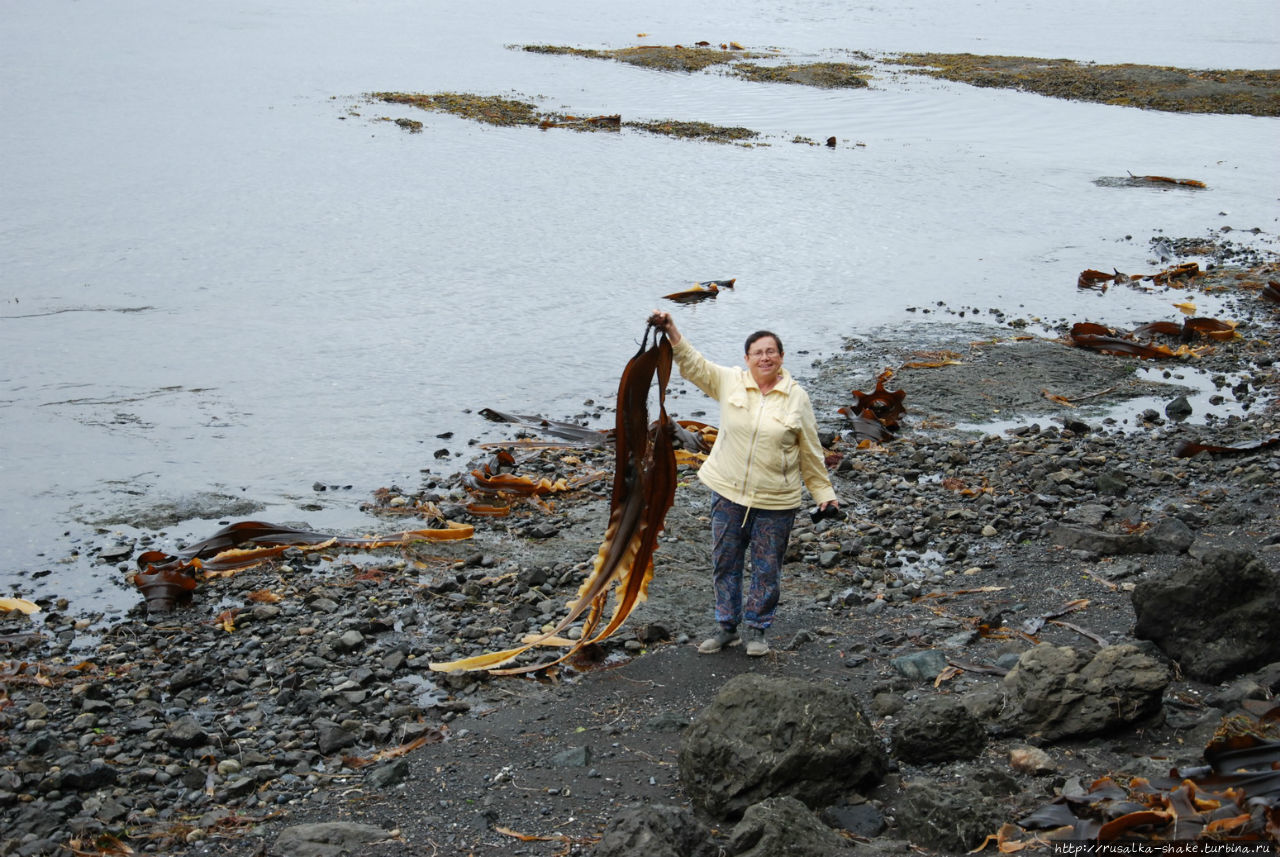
(664, 322)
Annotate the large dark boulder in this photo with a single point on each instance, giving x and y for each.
(938, 729)
(1057, 692)
(1217, 619)
(655, 831)
(766, 737)
(784, 827)
(952, 818)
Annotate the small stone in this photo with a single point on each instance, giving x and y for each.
(1030, 760)
(350, 641)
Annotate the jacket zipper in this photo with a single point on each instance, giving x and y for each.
(751, 457)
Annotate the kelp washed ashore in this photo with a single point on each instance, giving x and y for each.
(1178, 90)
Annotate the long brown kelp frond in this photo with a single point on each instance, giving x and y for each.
(643, 490)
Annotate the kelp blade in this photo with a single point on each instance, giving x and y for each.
(644, 486)
(638, 506)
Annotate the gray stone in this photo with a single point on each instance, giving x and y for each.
(573, 757)
(185, 732)
(330, 738)
(328, 839)
(938, 729)
(1179, 409)
(862, 819)
(784, 827)
(921, 666)
(387, 776)
(764, 736)
(667, 721)
(1169, 535)
(952, 818)
(1056, 692)
(349, 641)
(1111, 484)
(655, 831)
(1216, 619)
(83, 778)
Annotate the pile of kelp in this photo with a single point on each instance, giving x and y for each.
(1141, 341)
(168, 580)
(1233, 798)
(875, 417)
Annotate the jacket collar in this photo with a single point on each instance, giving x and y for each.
(784, 382)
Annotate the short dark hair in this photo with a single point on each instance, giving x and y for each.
(761, 334)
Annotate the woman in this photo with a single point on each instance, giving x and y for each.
(767, 445)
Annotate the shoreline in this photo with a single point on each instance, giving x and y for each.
(297, 692)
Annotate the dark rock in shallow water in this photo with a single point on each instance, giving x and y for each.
(1178, 409)
(1216, 619)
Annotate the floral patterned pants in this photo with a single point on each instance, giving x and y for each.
(734, 530)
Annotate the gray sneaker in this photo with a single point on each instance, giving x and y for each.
(756, 645)
(717, 641)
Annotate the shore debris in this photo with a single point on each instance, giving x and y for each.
(1235, 797)
(1094, 279)
(644, 486)
(1108, 340)
(556, 428)
(700, 291)
(167, 580)
(1166, 180)
(874, 416)
(1187, 449)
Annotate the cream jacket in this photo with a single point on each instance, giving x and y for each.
(767, 446)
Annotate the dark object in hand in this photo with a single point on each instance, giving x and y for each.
(819, 513)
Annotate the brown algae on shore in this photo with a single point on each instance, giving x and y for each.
(489, 109)
(661, 57)
(824, 75)
(1252, 92)
(509, 112)
(696, 131)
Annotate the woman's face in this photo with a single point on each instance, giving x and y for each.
(764, 361)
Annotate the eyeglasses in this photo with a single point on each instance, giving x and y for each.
(764, 352)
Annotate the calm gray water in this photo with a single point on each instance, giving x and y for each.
(220, 274)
